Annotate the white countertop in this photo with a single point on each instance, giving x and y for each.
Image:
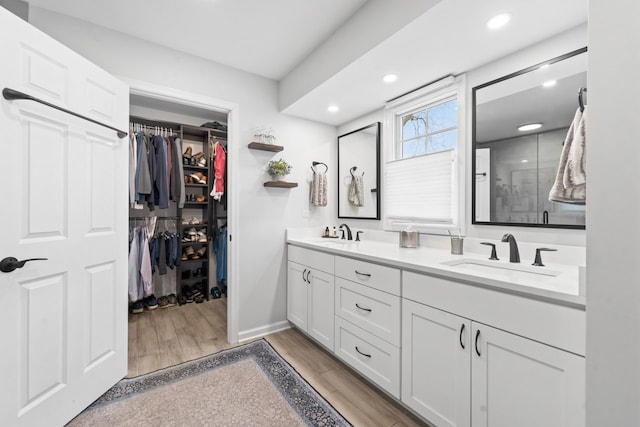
(560, 288)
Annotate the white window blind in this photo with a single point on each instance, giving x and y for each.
(421, 190)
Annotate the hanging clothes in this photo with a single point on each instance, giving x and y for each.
(145, 171)
(176, 181)
(133, 162)
(219, 163)
(220, 248)
(161, 182)
(139, 268)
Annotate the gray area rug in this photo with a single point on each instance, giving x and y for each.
(250, 385)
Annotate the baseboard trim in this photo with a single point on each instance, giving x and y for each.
(263, 330)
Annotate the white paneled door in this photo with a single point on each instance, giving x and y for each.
(63, 191)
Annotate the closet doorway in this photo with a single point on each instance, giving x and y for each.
(163, 337)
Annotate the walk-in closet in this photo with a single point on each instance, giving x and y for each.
(177, 233)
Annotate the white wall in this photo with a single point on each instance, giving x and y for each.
(613, 228)
(558, 45)
(264, 212)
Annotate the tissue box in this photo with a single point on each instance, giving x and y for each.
(409, 239)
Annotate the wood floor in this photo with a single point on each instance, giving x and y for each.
(166, 337)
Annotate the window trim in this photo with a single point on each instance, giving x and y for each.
(423, 98)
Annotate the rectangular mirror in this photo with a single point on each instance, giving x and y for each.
(359, 173)
(514, 170)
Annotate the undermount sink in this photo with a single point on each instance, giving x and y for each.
(333, 241)
(503, 270)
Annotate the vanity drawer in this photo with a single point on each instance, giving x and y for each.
(374, 358)
(386, 279)
(374, 311)
(314, 259)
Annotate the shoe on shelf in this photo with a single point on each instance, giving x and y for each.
(185, 255)
(151, 302)
(199, 178)
(194, 221)
(187, 179)
(137, 307)
(200, 252)
(191, 231)
(202, 237)
(189, 252)
(186, 157)
(172, 300)
(199, 299)
(200, 198)
(163, 302)
(200, 159)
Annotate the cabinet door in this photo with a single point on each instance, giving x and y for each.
(297, 289)
(520, 382)
(436, 366)
(321, 307)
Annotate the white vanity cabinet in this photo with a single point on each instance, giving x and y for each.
(310, 293)
(520, 382)
(436, 367)
(526, 369)
(367, 328)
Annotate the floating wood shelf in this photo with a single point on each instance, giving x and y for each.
(265, 147)
(280, 184)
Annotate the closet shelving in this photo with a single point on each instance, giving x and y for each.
(200, 219)
(195, 270)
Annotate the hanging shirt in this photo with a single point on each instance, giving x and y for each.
(218, 171)
(161, 183)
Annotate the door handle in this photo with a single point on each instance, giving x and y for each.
(303, 273)
(8, 264)
(461, 331)
(308, 273)
(477, 336)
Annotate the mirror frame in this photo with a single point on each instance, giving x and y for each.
(377, 126)
(473, 145)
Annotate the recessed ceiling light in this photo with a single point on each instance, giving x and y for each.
(529, 126)
(524, 161)
(549, 83)
(389, 78)
(333, 109)
(498, 21)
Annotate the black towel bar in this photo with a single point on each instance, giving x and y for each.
(12, 95)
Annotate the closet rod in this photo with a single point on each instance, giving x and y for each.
(162, 218)
(12, 95)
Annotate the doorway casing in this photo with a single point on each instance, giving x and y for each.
(167, 94)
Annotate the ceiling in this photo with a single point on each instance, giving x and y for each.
(280, 39)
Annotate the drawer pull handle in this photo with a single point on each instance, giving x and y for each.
(363, 309)
(363, 274)
(364, 354)
(461, 331)
(477, 336)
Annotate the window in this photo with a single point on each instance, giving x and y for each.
(430, 130)
(423, 170)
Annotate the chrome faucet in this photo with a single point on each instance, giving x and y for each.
(349, 235)
(514, 254)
